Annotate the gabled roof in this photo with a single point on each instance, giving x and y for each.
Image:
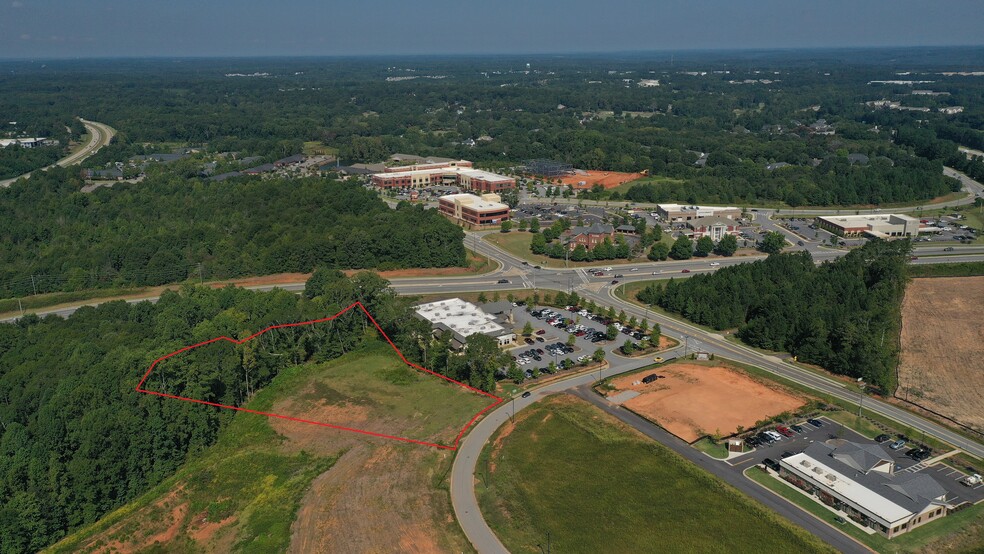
(593, 229)
(711, 221)
(861, 457)
(916, 486)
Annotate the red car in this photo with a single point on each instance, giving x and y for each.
(785, 431)
(540, 331)
(685, 271)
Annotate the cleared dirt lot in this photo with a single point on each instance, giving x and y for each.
(697, 400)
(585, 179)
(942, 365)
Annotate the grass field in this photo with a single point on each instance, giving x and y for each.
(270, 484)
(966, 269)
(597, 486)
(959, 532)
(656, 180)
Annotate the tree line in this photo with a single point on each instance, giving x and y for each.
(842, 315)
(77, 440)
(55, 238)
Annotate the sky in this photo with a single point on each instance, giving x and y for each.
(140, 28)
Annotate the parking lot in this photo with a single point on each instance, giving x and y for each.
(546, 336)
(947, 477)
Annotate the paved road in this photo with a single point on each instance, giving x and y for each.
(99, 135)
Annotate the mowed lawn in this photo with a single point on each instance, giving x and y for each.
(598, 486)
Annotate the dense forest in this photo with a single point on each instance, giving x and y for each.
(55, 238)
(741, 113)
(77, 440)
(842, 315)
(15, 161)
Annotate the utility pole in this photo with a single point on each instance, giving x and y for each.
(34, 286)
(201, 274)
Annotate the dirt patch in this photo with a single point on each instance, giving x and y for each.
(692, 401)
(585, 179)
(378, 498)
(160, 523)
(203, 531)
(941, 365)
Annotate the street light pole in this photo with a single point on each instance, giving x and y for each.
(860, 395)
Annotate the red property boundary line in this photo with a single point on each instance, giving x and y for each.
(498, 400)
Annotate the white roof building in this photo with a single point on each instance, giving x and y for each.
(464, 319)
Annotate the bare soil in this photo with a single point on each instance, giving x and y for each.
(693, 401)
(941, 366)
(607, 179)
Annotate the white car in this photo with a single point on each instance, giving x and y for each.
(715, 264)
(609, 268)
(634, 269)
(657, 272)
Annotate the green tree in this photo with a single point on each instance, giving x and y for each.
(528, 329)
(704, 246)
(621, 316)
(727, 246)
(538, 244)
(628, 347)
(506, 226)
(482, 299)
(773, 242)
(683, 248)
(571, 340)
(611, 332)
(515, 373)
(522, 224)
(659, 252)
(644, 326)
(534, 225)
(599, 355)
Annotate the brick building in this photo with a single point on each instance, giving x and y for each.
(473, 211)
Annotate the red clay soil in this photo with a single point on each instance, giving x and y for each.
(693, 401)
(585, 179)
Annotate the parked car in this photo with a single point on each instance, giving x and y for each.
(815, 422)
(797, 428)
(540, 331)
(785, 431)
(882, 438)
(771, 464)
(897, 444)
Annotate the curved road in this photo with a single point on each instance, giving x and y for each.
(99, 135)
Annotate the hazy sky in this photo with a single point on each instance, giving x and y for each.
(100, 28)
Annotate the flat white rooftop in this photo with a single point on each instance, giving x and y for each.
(460, 316)
(473, 173)
(872, 502)
(691, 208)
(474, 202)
(863, 219)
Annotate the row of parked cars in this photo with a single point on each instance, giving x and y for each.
(769, 437)
(918, 453)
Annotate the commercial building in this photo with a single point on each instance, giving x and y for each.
(446, 173)
(860, 480)
(32, 142)
(473, 211)
(872, 225)
(676, 212)
(591, 236)
(463, 319)
(715, 227)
